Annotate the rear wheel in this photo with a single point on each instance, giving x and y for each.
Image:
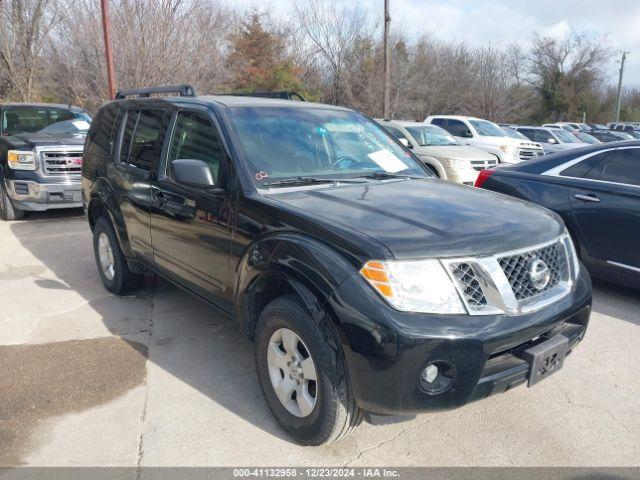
(301, 369)
(7, 210)
(112, 266)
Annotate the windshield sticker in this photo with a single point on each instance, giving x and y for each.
(388, 161)
(81, 124)
(261, 175)
(343, 127)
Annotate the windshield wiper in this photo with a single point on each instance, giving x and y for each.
(288, 182)
(385, 175)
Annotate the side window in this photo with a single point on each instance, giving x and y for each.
(147, 139)
(458, 128)
(623, 166)
(195, 138)
(541, 136)
(129, 126)
(527, 132)
(587, 168)
(396, 132)
(441, 122)
(101, 133)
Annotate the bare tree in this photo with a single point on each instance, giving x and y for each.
(24, 28)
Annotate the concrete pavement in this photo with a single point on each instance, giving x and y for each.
(169, 382)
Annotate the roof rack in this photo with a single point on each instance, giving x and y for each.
(184, 90)
(282, 95)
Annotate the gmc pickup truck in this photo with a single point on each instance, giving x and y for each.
(40, 157)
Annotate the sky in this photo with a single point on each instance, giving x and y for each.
(499, 22)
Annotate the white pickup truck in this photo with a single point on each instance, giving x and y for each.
(487, 136)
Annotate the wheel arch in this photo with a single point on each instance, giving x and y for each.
(288, 264)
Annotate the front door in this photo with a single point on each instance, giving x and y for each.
(606, 205)
(190, 227)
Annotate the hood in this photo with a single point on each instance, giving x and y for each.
(513, 142)
(427, 218)
(32, 140)
(454, 151)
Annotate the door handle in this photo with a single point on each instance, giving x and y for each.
(587, 198)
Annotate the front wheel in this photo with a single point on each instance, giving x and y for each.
(301, 369)
(112, 266)
(7, 210)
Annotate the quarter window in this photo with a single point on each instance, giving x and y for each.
(396, 132)
(585, 168)
(196, 138)
(623, 166)
(457, 128)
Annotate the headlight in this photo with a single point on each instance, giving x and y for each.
(20, 160)
(573, 256)
(414, 285)
(457, 162)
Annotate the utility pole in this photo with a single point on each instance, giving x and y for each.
(387, 72)
(619, 98)
(106, 32)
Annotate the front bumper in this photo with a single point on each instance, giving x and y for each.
(465, 176)
(44, 194)
(386, 350)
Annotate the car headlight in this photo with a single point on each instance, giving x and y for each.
(21, 160)
(414, 285)
(573, 255)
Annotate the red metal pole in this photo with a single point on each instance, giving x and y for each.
(106, 31)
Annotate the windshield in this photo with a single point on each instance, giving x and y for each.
(588, 138)
(431, 135)
(54, 121)
(564, 137)
(487, 129)
(288, 143)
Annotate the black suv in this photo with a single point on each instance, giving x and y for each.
(366, 283)
(40, 157)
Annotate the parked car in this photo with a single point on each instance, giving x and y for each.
(606, 136)
(440, 152)
(623, 127)
(622, 136)
(366, 283)
(551, 139)
(40, 157)
(596, 126)
(511, 132)
(596, 191)
(487, 136)
(587, 138)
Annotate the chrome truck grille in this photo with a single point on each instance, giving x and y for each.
(57, 163)
(516, 282)
(480, 165)
(529, 152)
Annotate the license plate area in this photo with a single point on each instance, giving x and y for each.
(546, 358)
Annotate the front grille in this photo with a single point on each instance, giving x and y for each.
(529, 153)
(469, 285)
(61, 163)
(480, 165)
(517, 269)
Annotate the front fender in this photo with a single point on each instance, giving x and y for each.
(309, 267)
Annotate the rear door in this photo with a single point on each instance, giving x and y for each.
(190, 227)
(606, 206)
(140, 144)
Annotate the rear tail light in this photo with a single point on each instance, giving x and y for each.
(483, 176)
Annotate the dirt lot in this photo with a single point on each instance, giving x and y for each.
(161, 379)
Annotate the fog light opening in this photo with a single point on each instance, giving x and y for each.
(436, 377)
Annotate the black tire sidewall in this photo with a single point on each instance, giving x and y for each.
(287, 313)
(7, 210)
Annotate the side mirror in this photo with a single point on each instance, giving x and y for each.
(405, 142)
(467, 134)
(194, 173)
(552, 140)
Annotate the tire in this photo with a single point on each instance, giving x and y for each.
(7, 210)
(335, 412)
(118, 279)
